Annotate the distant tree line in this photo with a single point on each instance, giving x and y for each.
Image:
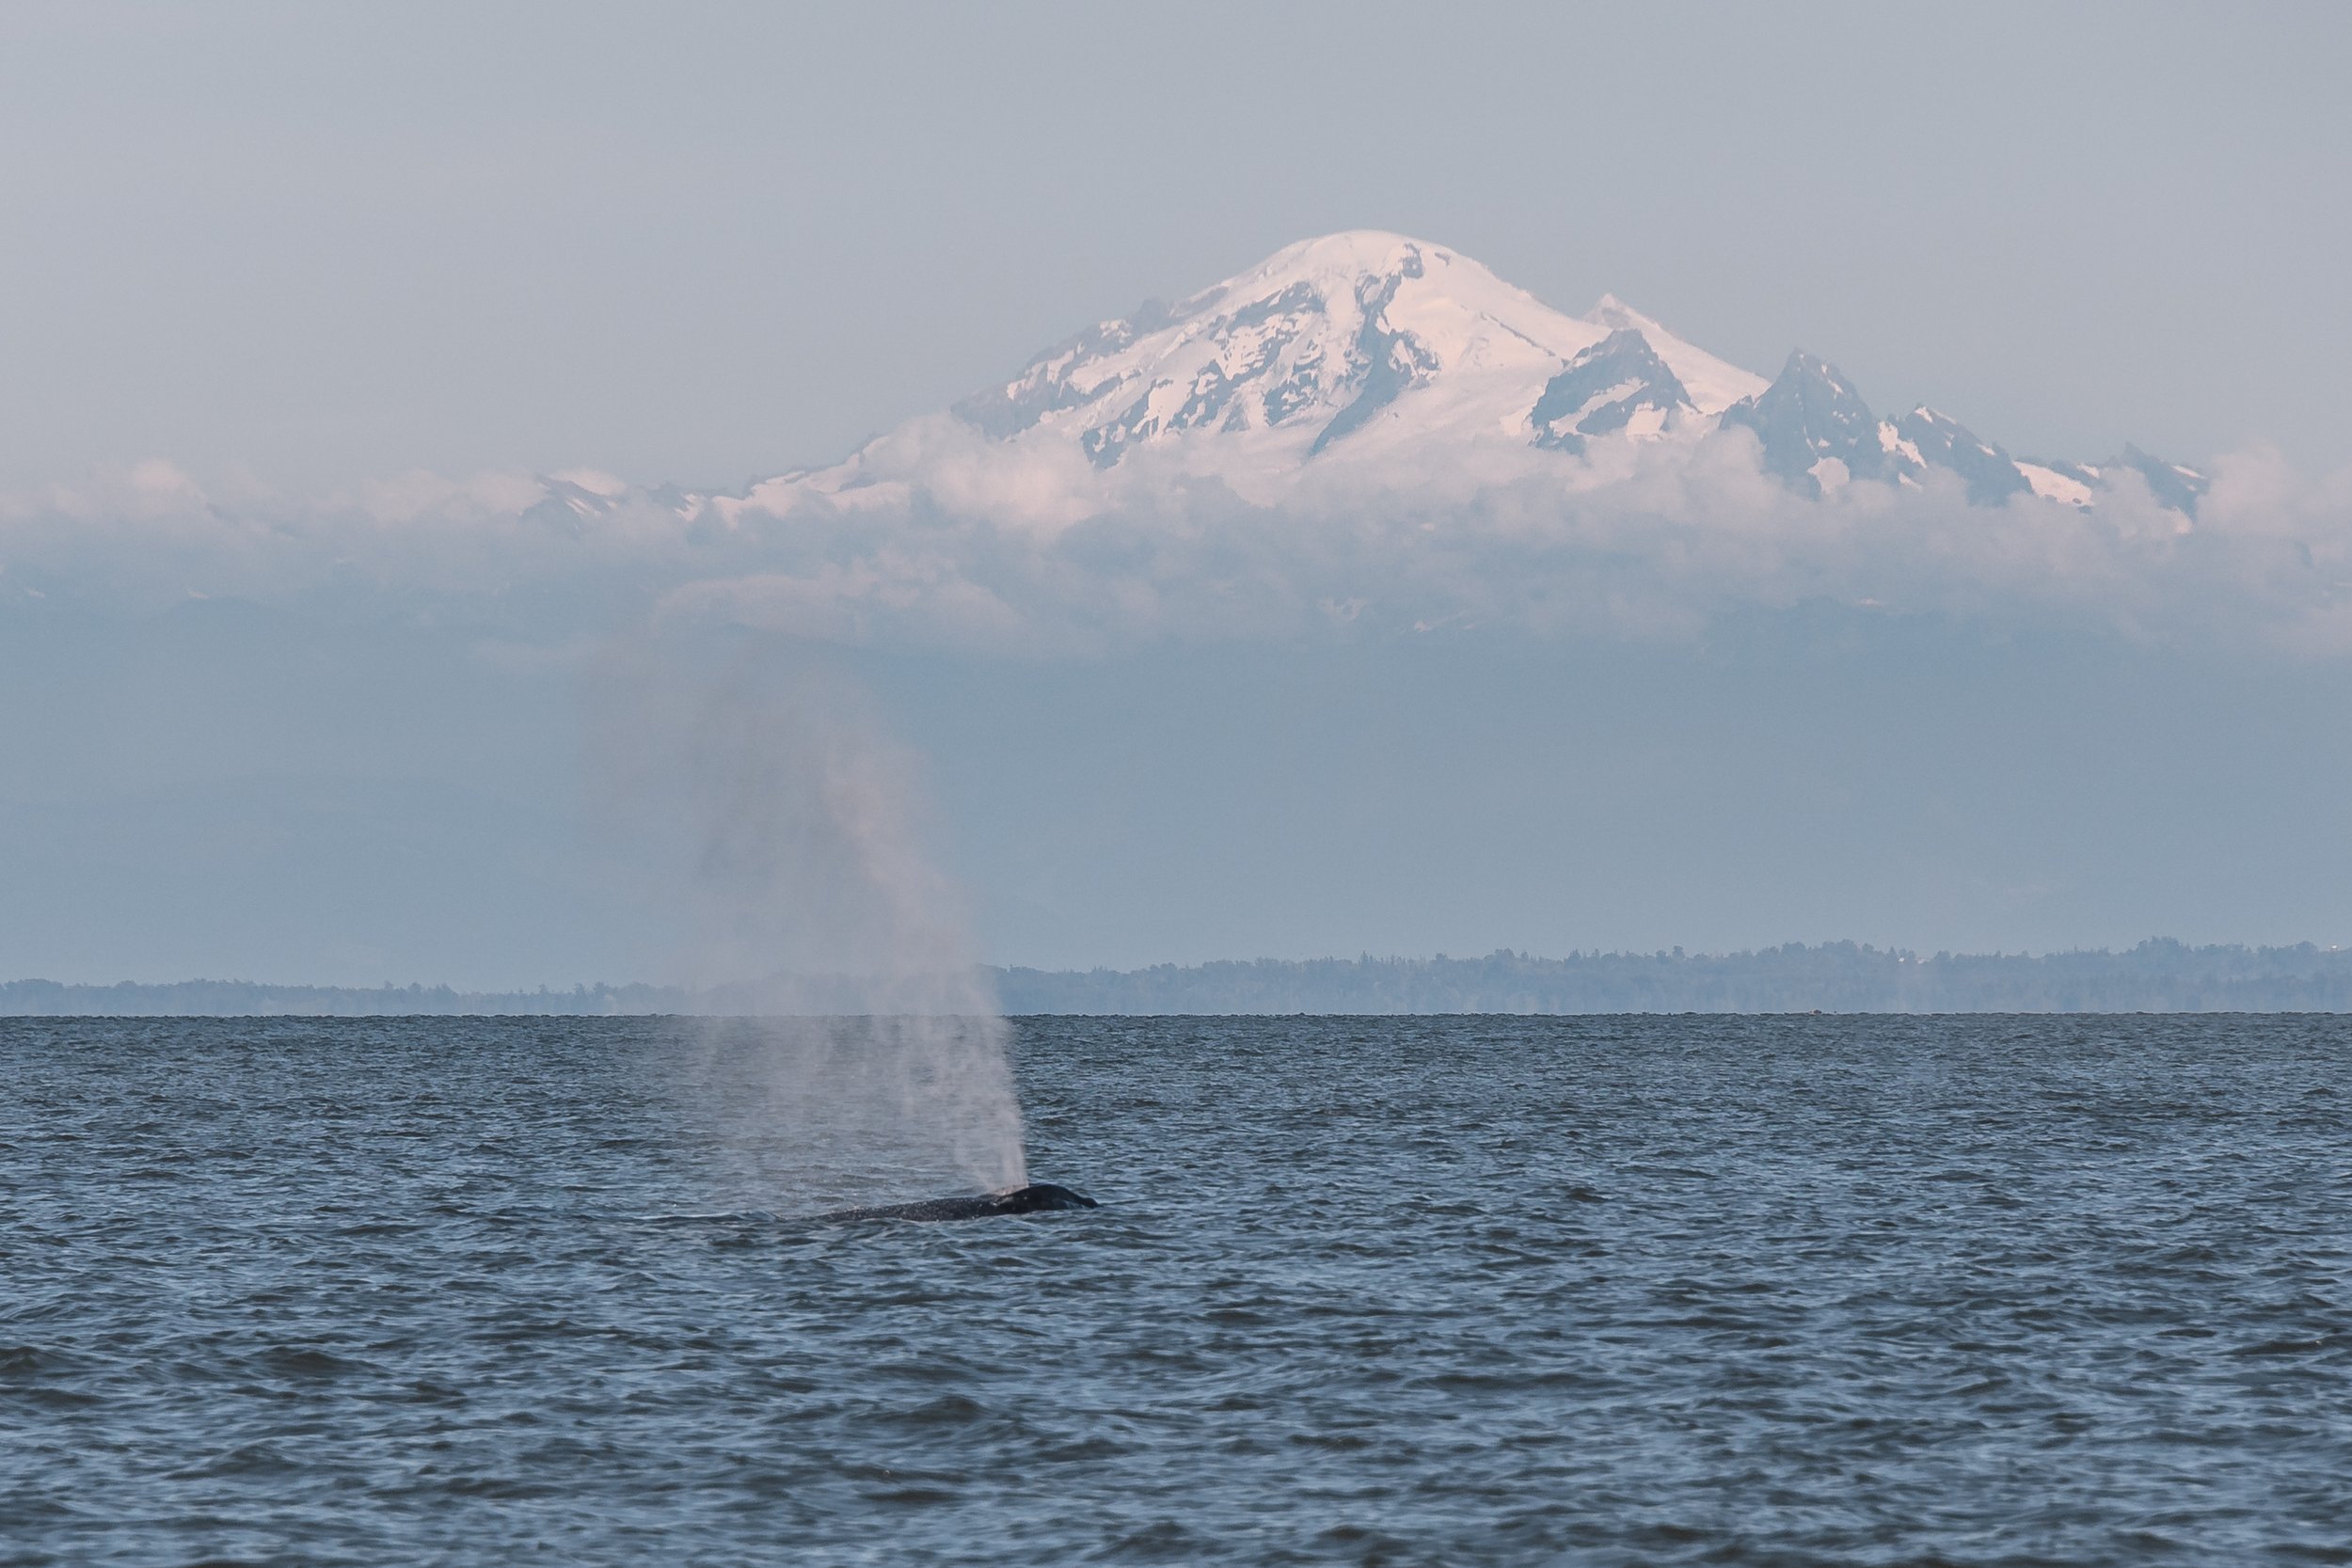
(1833, 977)
(244, 998)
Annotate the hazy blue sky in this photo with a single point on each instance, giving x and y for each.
(305, 736)
(699, 242)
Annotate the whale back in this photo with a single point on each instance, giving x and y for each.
(1044, 1195)
(1038, 1197)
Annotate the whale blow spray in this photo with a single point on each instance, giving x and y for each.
(860, 1052)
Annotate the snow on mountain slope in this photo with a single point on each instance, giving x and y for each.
(1925, 436)
(1713, 385)
(1321, 341)
(1370, 361)
(2173, 485)
(1619, 384)
(1365, 353)
(2068, 486)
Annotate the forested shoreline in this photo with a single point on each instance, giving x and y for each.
(1840, 977)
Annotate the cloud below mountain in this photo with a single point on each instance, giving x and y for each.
(1366, 435)
(973, 546)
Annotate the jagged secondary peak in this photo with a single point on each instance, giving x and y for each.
(1809, 417)
(1619, 384)
(1927, 438)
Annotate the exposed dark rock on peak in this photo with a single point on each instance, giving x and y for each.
(2174, 485)
(1809, 415)
(1989, 473)
(1602, 389)
(1385, 361)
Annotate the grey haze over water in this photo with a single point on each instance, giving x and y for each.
(231, 791)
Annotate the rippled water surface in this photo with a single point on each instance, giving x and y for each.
(1785, 1290)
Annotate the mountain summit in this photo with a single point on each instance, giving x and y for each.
(1379, 354)
(1370, 339)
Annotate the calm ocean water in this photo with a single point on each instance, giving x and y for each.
(1407, 1291)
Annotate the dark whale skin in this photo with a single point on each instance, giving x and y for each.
(1037, 1198)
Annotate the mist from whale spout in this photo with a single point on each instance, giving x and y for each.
(862, 1056)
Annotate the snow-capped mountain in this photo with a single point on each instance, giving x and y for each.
(1815, 432)
(1383, 355)
(1366, 339)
